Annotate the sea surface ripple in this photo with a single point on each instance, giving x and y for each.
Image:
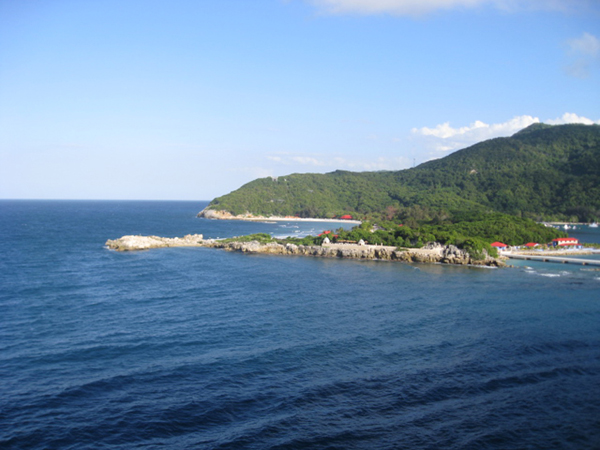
(201, 348)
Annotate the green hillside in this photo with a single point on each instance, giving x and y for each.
(542, 172)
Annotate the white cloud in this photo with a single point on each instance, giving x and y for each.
(572, 118)
(420, 7)
(396, 7)
(445, 138)
(583, 53)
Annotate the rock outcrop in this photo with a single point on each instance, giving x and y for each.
(434, 253)
(214, 214)
(208, 213)
(130, 242)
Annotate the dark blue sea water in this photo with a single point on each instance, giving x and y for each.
(202, 348)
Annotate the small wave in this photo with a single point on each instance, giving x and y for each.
(550, 275)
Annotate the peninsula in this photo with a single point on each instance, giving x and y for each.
(430, 253)
(448, 210)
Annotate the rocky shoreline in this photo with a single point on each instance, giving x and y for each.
(431, 253)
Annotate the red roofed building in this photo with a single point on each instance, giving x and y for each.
(562, 242)
(531, 244)
(499, 245)
(346, 217)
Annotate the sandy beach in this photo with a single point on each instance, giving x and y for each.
(225, 215)
(296, 219)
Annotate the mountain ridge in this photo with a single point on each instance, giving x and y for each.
(542, 172)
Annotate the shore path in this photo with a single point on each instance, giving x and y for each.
(551, 252)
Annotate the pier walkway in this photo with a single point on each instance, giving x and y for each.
(555, 259)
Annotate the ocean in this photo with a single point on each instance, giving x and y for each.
(197, 348)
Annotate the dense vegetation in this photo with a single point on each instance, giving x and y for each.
(542, 172)
(473, 231)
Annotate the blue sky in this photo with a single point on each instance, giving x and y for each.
(186, 99)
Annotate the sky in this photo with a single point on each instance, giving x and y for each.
(189, 100)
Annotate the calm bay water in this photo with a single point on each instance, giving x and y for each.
(201, 348)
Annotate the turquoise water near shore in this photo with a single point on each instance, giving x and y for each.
(201, 348)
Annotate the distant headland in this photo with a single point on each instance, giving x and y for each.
(543, 172)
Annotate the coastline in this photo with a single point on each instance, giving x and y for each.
(226, 215)
(431, 253)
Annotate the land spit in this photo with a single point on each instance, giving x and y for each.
(431, 253)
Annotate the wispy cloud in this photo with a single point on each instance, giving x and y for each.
(583, 53)
(332, 162)
(444, 138)
(421, 7)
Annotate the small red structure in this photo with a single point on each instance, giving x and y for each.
(346, 217)
(562, 242)
(531, 244)
(498, 245)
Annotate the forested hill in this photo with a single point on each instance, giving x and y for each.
(541, 172)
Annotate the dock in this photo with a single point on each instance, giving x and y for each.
(555, 259)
